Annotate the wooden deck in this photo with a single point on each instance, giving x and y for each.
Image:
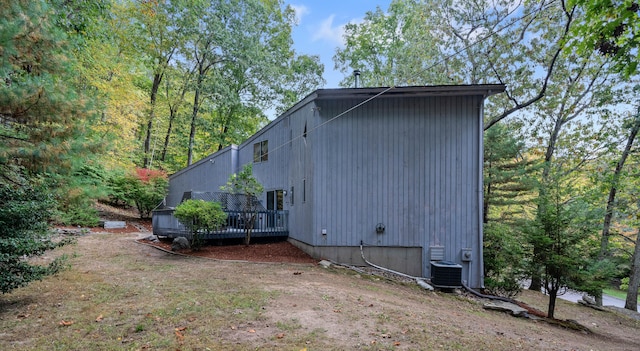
(268, 224)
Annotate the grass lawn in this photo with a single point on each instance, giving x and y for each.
(617, 293)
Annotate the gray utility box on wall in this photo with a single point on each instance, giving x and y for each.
(445, 274)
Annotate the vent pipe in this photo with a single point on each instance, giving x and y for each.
(356, 75)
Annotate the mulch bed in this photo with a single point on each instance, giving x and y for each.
(258, 251)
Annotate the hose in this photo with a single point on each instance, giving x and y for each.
(490, 297)
(418, 280)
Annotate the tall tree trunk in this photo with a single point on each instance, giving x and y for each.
(553, 296)
(608, 216)
(604, 241)
(157, 78)
(634, 278)
(194, 115)
(165, 146)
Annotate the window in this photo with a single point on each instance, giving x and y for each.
(304, 190)
(261, 151)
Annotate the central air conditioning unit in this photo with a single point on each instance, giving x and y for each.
(445, 274)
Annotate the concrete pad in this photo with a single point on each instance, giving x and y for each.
(114, 224)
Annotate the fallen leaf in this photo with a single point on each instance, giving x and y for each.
(252, 331)
(99, 319)
(65, 323)
(23, 315)
(337, 311)
(280, 336)
(233, 327)
(180, 336)
(181, 328)
(191, 319)
(397, 343)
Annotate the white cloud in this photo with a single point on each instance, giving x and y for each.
(300, 11)
(328, 32)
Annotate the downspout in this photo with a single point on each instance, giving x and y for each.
(480, 195)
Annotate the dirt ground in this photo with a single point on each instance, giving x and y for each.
(148, 298)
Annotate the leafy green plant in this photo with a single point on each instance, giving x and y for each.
(246, 184)
(200, 216)
(503, 260)
(624, 283)
(24, 232)
(146, 188)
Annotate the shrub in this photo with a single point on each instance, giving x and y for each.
(503, 260)
(624, 284)
(147, 189)
(200, 216)
(24, 214)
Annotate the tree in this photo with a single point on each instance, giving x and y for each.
(612, 28)
(508, 189)
(155, 33)
(25, 210)
(43, 117)
(148, 188)
(508, 174)
(200, 216)
(423, 42)
(631, 302)
(561, 231)
(249, 44)
(244, 183)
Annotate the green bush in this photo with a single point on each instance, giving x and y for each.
(144, 188)
(119, 189)
(24, 232)
(77, 195)
(83, 215)
(624, 284)
(503, 260)
(200, 216)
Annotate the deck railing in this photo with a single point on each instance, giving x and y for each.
(268, 223)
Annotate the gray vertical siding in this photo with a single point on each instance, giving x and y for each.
(271, 173)
(300, 172)
(207, 174)
(409, 163)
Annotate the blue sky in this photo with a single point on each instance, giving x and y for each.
(320, 28)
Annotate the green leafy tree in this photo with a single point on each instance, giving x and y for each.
(43, 116)
(612, 28)
(246, 184)
(147, 190)
(427, 42)
(246, 42)
(508, 190)
(508, 175)
(563, 231)
(25, 210)
(200, 217)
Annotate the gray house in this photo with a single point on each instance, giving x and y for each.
(397, 170)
